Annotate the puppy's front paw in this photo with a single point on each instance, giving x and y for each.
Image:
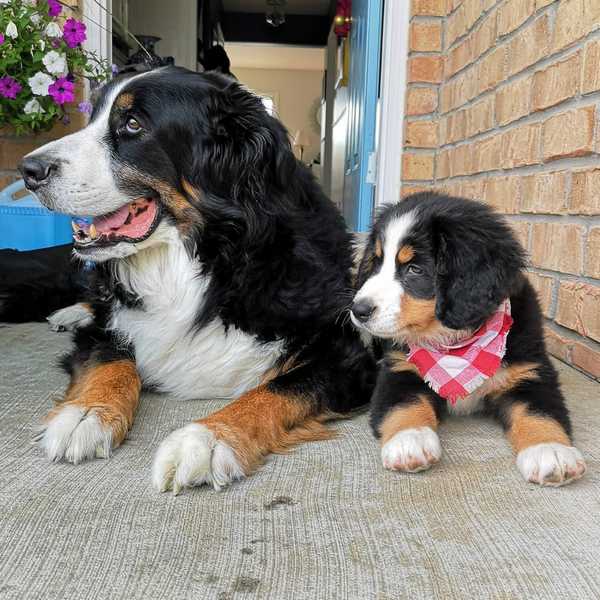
(191, 456)
(551, 464)
(412, 450)
(74, 434)
(70, 318)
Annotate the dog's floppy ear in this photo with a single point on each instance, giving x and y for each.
(247, 154)
(364, 258)
(478, 261)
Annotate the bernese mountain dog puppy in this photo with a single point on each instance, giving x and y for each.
(441, 284)
(222, 272)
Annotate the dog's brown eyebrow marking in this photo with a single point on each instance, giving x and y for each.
(125, 100)
(405, 254)
(378, 248)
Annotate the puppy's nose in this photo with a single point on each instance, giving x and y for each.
(35, 171)
(362, 310)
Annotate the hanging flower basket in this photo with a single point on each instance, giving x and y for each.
(42, 63)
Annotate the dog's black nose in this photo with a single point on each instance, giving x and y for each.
(362, 310)
(35, 171)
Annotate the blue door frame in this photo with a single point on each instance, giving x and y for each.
(363, 92)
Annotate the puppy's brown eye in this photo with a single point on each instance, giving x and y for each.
(414, 269)
(132, 126)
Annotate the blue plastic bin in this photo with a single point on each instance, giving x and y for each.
(27, 225)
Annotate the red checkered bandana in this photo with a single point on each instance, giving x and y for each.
(456, 371)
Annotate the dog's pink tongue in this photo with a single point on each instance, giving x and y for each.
(112, 221)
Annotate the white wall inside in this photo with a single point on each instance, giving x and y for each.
(297, 94)
(176, 22)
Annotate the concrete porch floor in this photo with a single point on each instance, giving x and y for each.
(326, 521)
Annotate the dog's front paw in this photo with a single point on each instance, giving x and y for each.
(74, 434)
(551, 464)
(412, 450)
(191, 456)
(70, 318)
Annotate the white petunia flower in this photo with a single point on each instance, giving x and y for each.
(39, 83)
(42, 45)
(11, 30)
(55, 63)
(33, 107)
(35, 18)
(4, 2)
(53, 30)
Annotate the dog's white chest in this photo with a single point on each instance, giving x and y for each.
(209, 363)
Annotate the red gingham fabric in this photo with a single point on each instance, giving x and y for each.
(456, 371)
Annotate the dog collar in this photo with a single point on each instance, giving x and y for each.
(456, 371)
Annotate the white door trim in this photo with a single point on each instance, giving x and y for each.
(393, 90)
(96, 16)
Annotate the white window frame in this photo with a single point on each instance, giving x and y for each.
(97, 19)
(393, 91)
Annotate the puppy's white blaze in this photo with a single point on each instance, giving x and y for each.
(551, 464)
(383, 289)
(191, 456)
(75, 435)
(209, 363)
(420, 445)
(70, 318)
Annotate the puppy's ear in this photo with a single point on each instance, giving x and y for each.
(247, 154)
(478, 261)
(365, 258)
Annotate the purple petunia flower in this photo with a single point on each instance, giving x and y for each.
(9, 87)
(85, 107)
(54, 8)
(62, 91)
(74, 32)
(115, 69)
(1, 39)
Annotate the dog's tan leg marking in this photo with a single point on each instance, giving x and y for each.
(544, 451)
(96, 413)
(409, 439)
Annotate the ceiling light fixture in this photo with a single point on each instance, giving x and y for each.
(275, 15)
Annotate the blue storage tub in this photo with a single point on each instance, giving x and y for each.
(27, 225)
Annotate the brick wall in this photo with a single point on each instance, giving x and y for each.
(503, 106)
(13, 148)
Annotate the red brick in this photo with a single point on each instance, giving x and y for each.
(461, 160)
(592, 247)
(485, 154)
(548, 244)
(541, 3)
(455, 127)
(458, 57)
(543, 285)
(545, 193)
(512, 101)
(529, 45)
(421, 134)
(472, 188)
(425, 69)
(426, 37)
(442, 168)
(585, 192)
(586, 358)
(513, 14)
(520, 146)
(480, 116)
(484, 36)
(557, 345)
(491, 70)
(574, 20)
(522, 230)
(503, 194)
(407, 190)
(591, 68)
(569, 133)
(579, 308)
(431, 8)
(556, 83)
(417, 166)
(421, 100)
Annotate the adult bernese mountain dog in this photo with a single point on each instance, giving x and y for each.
(441, 284)
(222, 272)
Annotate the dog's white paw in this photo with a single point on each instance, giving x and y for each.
(551, 464)
(74, 434)
(412, 450)
(70, 318)
(191, 456)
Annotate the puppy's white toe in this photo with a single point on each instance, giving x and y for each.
(70, 318)
(551, 464)
(412, 450)
(191, 456)
(75, 434)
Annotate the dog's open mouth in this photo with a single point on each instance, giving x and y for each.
(131, 223)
